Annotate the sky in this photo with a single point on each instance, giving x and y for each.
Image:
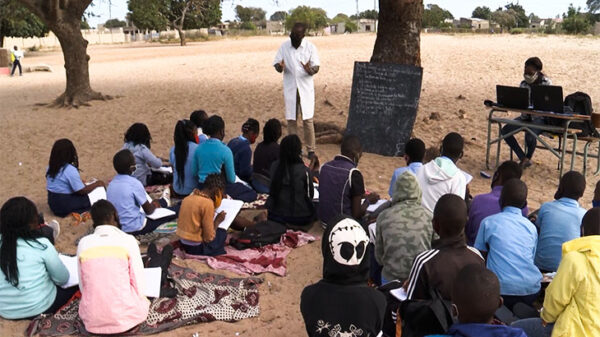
(458, 8)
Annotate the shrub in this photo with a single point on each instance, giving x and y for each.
(516, 31)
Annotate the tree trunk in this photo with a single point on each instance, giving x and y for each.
(181, 36)
(64, 19)
(398, 35)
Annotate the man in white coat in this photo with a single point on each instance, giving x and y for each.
(299, 61)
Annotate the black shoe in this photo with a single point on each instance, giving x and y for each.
(169, 292)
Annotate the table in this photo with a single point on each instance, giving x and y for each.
(564, 133)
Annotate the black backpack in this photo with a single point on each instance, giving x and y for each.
(580, 103)
(262, 234)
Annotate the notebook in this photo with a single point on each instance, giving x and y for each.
(231, 208)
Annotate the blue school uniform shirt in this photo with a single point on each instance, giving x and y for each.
(40, 270)
(144, 160)
(510, 240)
(189, 182)
(127, 194)
(66, 181)
(412, 167)
(242, 157)
(212, 156)
(558, 221)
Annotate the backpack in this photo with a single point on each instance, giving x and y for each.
(262, 234)
(581, 104)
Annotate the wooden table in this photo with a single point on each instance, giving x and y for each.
(564, 132)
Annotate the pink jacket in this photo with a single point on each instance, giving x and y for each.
(111, 280)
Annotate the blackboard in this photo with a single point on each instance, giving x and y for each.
(383, 106)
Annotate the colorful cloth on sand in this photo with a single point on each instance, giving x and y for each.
(252, 261)
(201, 298)
(259, 203)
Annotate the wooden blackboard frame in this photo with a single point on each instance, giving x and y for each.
(383, 105)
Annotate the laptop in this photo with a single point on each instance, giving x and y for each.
(547, 98)
(512, 97)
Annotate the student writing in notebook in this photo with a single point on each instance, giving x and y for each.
(129, 197)
(67, 193)
(137, 140)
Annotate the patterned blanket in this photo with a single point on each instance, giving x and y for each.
(201, 298)
(156, 191)
(266, 259)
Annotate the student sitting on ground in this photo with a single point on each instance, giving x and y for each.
(127, 194)
(342, 304)
(197, 227)
(441, 176)
(137, 140)
(341, 185)
(559, 221)
(182, 156)
(242, 153)
(475, 299)
(30, 270)
(488, 204)
(199, 117)
(111, 275)
(414, 151)
(508, 241)
(214, 157)
(265, 154)
(66, 191)
(438, 267)
(572, 298)
(291, 195)
(403, 231)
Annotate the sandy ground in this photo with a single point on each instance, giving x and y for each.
(234, 78)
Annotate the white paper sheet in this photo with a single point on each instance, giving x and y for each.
(160, 213)
(152, 276)
(238, 180)
(163, 169)
(372, 232)
(399, 293)
(316, 192)
(99, 193)
(468, 177)
(231, 208)
(373, 207)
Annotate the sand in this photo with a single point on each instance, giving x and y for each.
(160, 84)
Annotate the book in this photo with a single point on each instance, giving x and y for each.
(99, 193)
(231, 208)
(160, 213)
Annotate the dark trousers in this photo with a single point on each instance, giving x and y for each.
(65, 204)
(16, 64)
(152, 224)
(374, 267)
(239, 191)
(530, 140)
(510, 301)
(213, 248)
(62, 297)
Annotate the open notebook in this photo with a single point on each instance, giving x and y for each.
(152, 276)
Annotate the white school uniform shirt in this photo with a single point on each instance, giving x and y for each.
(18, 54)
(296, 78)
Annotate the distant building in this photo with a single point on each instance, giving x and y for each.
(597, 28)
(474, 23)
(337, 28)
(275, 27)
(367, 25)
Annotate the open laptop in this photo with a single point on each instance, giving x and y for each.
(512, 97)
(547, 98)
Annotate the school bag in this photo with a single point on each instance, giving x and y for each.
(262, 234)
(578, 103)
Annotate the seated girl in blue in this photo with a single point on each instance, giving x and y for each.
(30, 269)
(182, 156)
(137, 140)
(66, 191)
(242, 153)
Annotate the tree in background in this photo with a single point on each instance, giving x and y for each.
(84, 24)
(314, 18)
(149, 14)
(522, 20)
(434, 16)
(575, 22)
(398, 37)
(279, 16)
(349, 24)
(370, 14)
(482, 12)
(593, 5)
(250, 17)
(507, 19)
(115, 23)
(17, 21)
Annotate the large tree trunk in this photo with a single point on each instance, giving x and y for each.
(63, 17)
(398, 33)
(181, 36)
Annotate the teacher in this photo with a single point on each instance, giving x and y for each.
(299, 61)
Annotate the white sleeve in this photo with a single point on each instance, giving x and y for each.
(314, 56)
(278, 56)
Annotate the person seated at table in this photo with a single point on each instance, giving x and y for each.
(265, 154)
(402, 231)
(572, 300)
(441, 175)
(559, 221)
(291, 194)
(199, 117)
(484, 205)
(66, 191)
(181, 157)
(438, 267)
(508, 241)
(414, 151)
(240, 148)
(137, 140)
(342, 187)
(532, 76)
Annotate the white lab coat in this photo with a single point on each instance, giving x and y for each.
(296, 78)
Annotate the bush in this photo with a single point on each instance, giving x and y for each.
(248, 26)
(516, 31)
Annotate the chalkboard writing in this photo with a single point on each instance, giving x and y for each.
(383, 105)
